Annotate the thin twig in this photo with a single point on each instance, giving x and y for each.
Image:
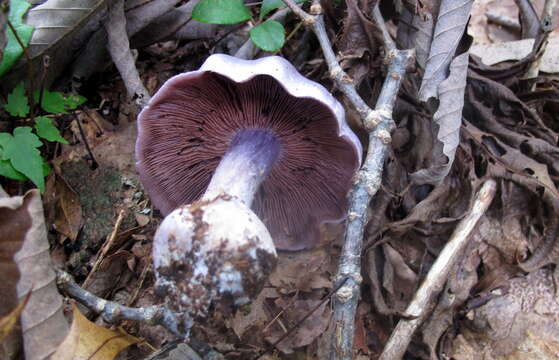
(422, 303)
(113, 312)
(94, 163)
(143, 275)
(545, 29)
(379, 124)
(103, 251)
(46, 64)
(119, 48)
(503, 20)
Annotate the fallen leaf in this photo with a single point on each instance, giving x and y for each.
(142, 219)
(303, 270)
(492, 54)
(307, 331)
(451, 23)
(89, 341)
(68, 220)
(22, 225)
(446, 120)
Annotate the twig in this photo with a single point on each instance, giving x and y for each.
(378, 123)
(503, 20)
(119, 48)
(111, 311)
(422, 302)
(545, 28)
(143, 275)
(94, 163)
(103, 251)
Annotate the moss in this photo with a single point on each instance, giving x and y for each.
(100, 193)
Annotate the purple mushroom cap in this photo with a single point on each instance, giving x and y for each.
(191, 121)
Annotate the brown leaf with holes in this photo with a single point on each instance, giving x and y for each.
(89, 341)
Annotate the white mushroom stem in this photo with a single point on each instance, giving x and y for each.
(216, 250)
(248, 161)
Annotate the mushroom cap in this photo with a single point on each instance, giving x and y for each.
(212, 252)
(190, 122)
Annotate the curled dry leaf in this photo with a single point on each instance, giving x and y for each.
(22, 224)
(89, 341)
(451, 23)
(447, 121)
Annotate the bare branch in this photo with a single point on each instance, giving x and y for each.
(378, 123)
(178, 324)
(422, 303)
(119, 47)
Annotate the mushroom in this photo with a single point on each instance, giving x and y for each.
(233, 136)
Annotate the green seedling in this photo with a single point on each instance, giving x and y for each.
(20, 158)
(268, 35)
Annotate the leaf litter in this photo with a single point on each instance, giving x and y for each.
(507, 131)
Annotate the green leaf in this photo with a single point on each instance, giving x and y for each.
(7, 170)
(220, 12)
(56, 103)
(13, 49)
(18, 104)
(46, 129)
(269, 36)
(21, 150)
(270, 5)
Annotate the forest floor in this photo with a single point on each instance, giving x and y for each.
(498, 302)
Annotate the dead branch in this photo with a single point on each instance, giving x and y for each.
(419, 308)
(112, 311)
(119, 47)
(379, 124)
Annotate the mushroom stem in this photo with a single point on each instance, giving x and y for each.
(247, 162)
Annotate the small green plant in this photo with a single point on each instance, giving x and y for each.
(268, 35)
(20, 158)
(13, 49)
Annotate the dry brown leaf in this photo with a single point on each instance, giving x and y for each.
(302, 270)
(307, 332)
(451, 23)
(89, 341)
(68, 219)
(22, 225)
(8, 322)
(519, 322)
(254, 317)
(142, 219)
